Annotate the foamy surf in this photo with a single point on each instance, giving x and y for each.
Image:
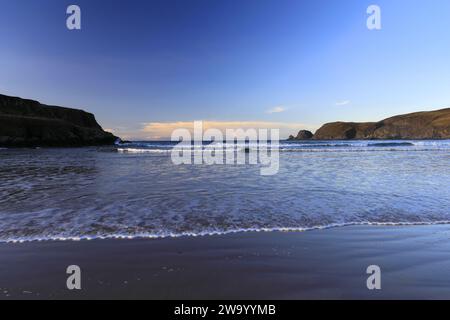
(214, 233)
(295, 146)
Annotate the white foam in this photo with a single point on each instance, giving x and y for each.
(137, 150)
(213, 233)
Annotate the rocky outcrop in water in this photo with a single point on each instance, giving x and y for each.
(302, 135)
(28, 123)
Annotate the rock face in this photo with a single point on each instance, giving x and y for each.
(27, 123)
(302, 135)
(419, 125)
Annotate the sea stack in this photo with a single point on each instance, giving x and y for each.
(28, 123)
(302, 135)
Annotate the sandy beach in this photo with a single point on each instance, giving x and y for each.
(321, 264)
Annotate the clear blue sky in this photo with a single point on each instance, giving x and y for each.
(137, 62)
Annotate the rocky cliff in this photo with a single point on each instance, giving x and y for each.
(413, 126)
(27, 123)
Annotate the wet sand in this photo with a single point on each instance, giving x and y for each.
(321, 264)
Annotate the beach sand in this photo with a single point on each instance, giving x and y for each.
(320, 264)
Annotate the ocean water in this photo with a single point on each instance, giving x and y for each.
(136, 191)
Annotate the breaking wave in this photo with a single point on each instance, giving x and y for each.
(296, 146)
(212, 233)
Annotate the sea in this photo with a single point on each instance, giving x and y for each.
(135, 190)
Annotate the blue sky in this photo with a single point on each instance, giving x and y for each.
(140, 66)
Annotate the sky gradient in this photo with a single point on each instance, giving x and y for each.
(144, 67)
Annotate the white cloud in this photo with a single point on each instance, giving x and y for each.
(343, 103)
(163, 130)
(278, 109)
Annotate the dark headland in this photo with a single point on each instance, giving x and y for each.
(413, 126)
(28, 123)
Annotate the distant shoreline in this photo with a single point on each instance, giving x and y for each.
(28, 123)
